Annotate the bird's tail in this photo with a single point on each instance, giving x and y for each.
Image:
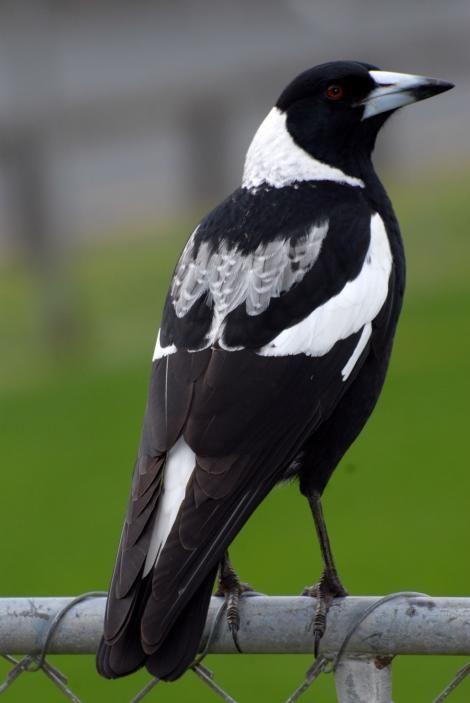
(124, 654)
(174, 654)
(179, 648)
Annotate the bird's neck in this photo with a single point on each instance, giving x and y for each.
(274, 159)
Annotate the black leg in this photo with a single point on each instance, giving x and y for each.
(329, 586)
(231, 588)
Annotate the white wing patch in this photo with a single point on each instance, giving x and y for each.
(360, 346)
(229, 278)
(160, 351)
(178, 468)
(354, 307)
(274, 159)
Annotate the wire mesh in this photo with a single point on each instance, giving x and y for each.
(325, 664)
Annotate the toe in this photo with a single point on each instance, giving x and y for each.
(311, 591)
(234, 632)
(317, 636)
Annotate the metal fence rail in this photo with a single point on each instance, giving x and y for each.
(363, 635)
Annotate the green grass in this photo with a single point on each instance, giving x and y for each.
(397, 507)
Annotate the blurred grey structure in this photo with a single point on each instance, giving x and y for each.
(117, 113)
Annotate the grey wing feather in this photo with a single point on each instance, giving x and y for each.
(230, 278)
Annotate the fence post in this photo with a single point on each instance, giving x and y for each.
(360, 680)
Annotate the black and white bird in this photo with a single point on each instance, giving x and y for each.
(273, 349)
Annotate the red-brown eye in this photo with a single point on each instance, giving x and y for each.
(334, 92)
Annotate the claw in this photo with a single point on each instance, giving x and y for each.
(317, 635)
(234, 633)
(325, 591)
(231, 589)
(319, 622)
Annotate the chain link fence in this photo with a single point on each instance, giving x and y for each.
(363, 636)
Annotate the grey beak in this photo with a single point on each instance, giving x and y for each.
(394, 90)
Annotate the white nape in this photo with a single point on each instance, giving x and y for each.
(160, 351)
(179, 466)
(274, 159)
(356, 305)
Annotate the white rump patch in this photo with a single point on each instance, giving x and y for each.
(356, 305)
(160, 351)
(179, 465)
(229, 278)
(274, 159)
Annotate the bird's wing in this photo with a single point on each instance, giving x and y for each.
(246, 367)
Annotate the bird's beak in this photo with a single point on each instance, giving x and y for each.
(393, 90)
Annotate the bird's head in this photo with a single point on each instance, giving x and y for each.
(334, 111)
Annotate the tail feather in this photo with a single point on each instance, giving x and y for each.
(125, 654)
(179, 649)
(120, 659)
(164, 630)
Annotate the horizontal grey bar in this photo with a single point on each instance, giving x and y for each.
(269, 625)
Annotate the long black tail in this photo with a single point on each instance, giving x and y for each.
(158, 621)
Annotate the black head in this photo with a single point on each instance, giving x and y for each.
(334, 111)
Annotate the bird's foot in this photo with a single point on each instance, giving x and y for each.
(231, 588)
(325, 591)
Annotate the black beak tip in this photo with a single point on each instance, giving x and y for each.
(437, 87)
(431, 87)
(445, 85)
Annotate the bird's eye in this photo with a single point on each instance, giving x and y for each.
(334, 92)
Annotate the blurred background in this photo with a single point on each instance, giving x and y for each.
(121, 123)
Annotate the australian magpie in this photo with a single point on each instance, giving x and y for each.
(273, 348)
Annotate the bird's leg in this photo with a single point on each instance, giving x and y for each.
(329, 586)
(231, 588)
